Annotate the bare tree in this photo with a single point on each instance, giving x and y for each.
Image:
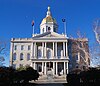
(96, 28)
(95, 48)
(3, 51)
(95, 54)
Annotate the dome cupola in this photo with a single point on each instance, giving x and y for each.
(48, 23)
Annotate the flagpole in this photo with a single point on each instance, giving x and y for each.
(65, 27)
(33, 29)
(64, 21)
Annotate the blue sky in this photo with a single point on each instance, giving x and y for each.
(16, 17)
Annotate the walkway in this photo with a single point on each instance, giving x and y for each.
(50, 84)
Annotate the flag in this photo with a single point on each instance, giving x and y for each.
(32, 23)
(63, 20)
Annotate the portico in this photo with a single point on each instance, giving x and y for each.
(50, 55)
(57, 67)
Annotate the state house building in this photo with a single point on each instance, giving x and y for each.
(47, 51)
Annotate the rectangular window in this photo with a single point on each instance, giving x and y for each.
(29, 47)
(14, 56)
(22, 47)
(21, 56)
(76, 57)
(28, 56)
(15, 48)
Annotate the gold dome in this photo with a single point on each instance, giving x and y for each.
(48, 19)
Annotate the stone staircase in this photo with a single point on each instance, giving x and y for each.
(50, 78)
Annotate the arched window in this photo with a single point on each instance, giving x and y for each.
(39, 53)
(21, 56)
(49, 28)
(43, 30)
(48, 54)
(14, 56)
(28, 56)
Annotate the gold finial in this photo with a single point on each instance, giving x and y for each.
(48, 8)
(48, 12)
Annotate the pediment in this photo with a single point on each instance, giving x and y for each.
(49, 35)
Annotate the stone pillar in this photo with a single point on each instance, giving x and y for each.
(45, 50)
(34, 65)
(64, 49)
(45, 68)
(56, 48)
(67, 67)
(34, 50)
(53, 68)
(42, 49)
(53, 49)
(56, 68)
(64, 68)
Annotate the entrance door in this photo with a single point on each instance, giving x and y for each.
(49, 71)
(49, 65)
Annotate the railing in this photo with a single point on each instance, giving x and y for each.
(58, 57)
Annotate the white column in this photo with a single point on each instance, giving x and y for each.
(34, 49)
(64, 49)
(56, 49)
(42, 49)
(56, 68)
(53, 68)
(34, 65)
(45, 68)
(64, 68)
(67, 67)
(53, 50)
(45, 50)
